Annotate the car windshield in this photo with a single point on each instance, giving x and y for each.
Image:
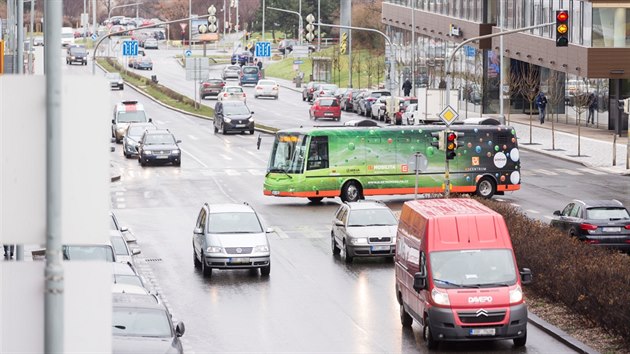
(131, 116)
(229, 110)
(139, 322)
(234, 68)
(379, 94)
(215, 82)
(248, 70)
(233, 223)
(159, 139)
(328, 87)
(329, 102)
(371, 217)
(287, 154)
(234, 90)
(607, 213)
(113, 76)
(127, 279)
(137, 131)
(88, 253)
(120, 247)
(266, 83)
(77, 50)
(476, 268)
(146, 59)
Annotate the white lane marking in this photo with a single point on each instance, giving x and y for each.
(208, 173)
(545, 172)
(120, 193)
(226, 157)
(591, 171)
(516, 205)
(192, 137)
(121, 206)
(256, 172)
(232, 172)
(280, 233)
(569, 172)
(533, 211)
(548, 217)
(120, 200)
(194, 158)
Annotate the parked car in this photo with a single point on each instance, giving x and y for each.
(347, 100)
(114, 224)
(307, 92)
(125, 113)
(123, 273)
(103, 252)
(231, 72)
(132, 60)
(379, 108)
(324, 90)
(356, 98)
(159, 146)
(250, 74)
(364, 229)
(150, 43)
(399, 104)
(134, 133)
(141, 323)
(365, 104)
(233, 116)
(230, 236)
(144, 63)
(76, 54)
(115, 80)
(211, 87)
(604, 223)
(325, 107)
(340, 92)
(123, 253)
(267, 88)
(232, 93)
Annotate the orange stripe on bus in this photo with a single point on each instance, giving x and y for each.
(510, 187)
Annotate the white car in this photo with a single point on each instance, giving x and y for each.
(267, 88)
(378, 108)
(232, 93)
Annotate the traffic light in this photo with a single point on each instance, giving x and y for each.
(438, 140)
(562, 28)
(310, 28)
(212, 19)
(451, 145)
(343, 43)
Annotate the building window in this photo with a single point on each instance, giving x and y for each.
(610, 27)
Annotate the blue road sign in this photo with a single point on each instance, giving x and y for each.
(298, 62)
(130, 48)
(188, 52)
(94, 37)
(470, 51)
(263, 49)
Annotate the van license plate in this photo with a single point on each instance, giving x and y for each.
(612, 229)
(482, 332)
(380, 248)
(239, 260)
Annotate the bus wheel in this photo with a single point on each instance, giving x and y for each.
(486, 188)
(315, 200)
(350, 192)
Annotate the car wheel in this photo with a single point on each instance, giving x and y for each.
(196, 261)
(251, 131)
(405, 319)
(223, 130)
(178, 163)
(486, 188)
(205, 270)
(349, 258)
(142, 163)
(350, 192)
(265, 271)
(216, 130)
(428, 335)
(520, 341)
(335, 249)
(125, 153)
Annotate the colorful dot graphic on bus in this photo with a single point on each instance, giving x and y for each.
(478, 149)
(351, 146)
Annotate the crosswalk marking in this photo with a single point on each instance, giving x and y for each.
(232, 172)
(569, 172)
(256, 172)
(580, 171)
(192, 137)
(226, 157)
(592, 171)
(545, 172)
(280, 233)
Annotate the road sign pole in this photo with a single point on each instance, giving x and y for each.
(416, 155)
(447, 181)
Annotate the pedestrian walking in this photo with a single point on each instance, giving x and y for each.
(259, 64)
(406, 87)
(541, 103)
(592, 106)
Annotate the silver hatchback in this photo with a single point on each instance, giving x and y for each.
(230, 236)
(231, 72)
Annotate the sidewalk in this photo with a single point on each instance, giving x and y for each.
(596, 144)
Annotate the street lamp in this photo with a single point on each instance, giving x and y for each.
(295, 13)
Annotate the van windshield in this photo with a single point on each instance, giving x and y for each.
(473, 268)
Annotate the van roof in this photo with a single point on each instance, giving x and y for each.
(449, 207)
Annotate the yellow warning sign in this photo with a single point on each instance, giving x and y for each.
(448, 115)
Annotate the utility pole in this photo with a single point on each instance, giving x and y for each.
(237, 19)
(94, 29)
(319, 28)
(54, 275)
(20, 36)
(190, 25)
(30, 57)
(501, 63)
(263, 20)
(413, 47)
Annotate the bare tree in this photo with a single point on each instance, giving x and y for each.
(358, 66)
(513, 83)
(582, 101)
(370, 66)
(336, 66)
(530, 80)
(555, 95)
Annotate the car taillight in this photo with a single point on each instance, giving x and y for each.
(588, 227)
(276, 89)
(206, 85)
(222, 84)
(244, 95)
(627, 227)
(311, 90)
(321, 92)
(592, 242)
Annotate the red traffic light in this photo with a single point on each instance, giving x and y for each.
(562, 16)
(451, 136)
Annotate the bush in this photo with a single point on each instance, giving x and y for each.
(591, 281)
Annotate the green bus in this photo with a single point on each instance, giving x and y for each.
(354, 162)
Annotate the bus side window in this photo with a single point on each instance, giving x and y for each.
(318, 153)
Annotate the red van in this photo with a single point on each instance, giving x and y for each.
(456, 274)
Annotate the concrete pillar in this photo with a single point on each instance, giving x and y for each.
(619, 35)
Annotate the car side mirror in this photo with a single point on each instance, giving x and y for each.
(180, 329)
(178, 141)
(270, 230)
(135, 251)
(252, 112)
(150, 120)
(526, 276)
(338, 222)
(113, 121)
(198, 231)
(419, 282)
(124, 229)
(557, 213)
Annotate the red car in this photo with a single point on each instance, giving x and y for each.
(325, 107)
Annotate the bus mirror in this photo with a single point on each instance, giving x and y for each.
(258, 142)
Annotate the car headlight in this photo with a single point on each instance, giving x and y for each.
(440, 297)
(261, 248)
(251, 119)
(516, 295)
(120, 82)
(147, 152)
(121, 129)
(72, 58)
(175, 152)
(358, 241)
(214, 249)
(227, 120)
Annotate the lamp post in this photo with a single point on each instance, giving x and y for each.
(295, 13)
(109, 15)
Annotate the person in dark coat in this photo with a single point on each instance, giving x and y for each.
(592, 106)
(406, 87)
(541, 103)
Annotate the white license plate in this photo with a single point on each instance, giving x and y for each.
(275, 192)
(162, 157)
(328, 114)
(612, 229)
(380, 248)
(240, 125)
(239, 260)
(482, 332)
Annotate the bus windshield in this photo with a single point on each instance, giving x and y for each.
(287, 154)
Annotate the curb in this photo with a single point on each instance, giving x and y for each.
(114, 176)
(560, 335)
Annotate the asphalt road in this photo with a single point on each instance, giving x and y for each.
(313, 301)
